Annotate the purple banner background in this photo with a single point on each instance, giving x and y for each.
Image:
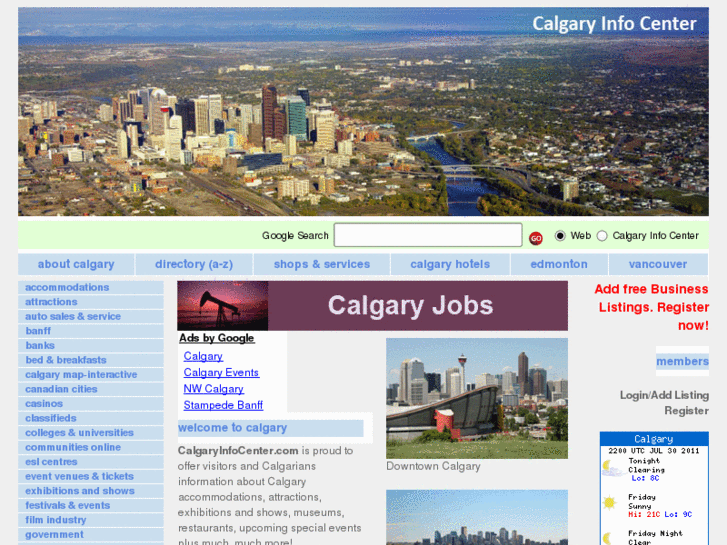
(517, 306)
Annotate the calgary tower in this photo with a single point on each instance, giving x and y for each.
(462, 360)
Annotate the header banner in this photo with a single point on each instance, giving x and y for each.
(418, 306)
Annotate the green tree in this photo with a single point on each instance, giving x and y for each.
(558, 424)
(531, 418)
(501, 418)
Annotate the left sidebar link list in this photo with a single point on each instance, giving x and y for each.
(90, 402)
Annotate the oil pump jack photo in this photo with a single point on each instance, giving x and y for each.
(223, 305)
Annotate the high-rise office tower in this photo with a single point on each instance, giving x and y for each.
(137, 112)
(50, 109)
(172, 104)
(255, 134)
(269, 105)
(417, 382)
(132, 129)
(245, 117)
(485, 379)
(215, 111)
(538, 380)
(404, 380)
(561, 387)
(280, 124)
(185, 110)
(509, 380)
(323, 123)
(434, 381)
(345, 147)
(453, 381)
(410, 371)
(105, 113)
(291, 144)
(24, 125)
(133, 97)
(522, 374)
(122, 144)
(304, 94)
(158, 107)
(38, 114)
(323, 106)
(173, 138)
(115, 107)
(257, 114)
(144, 97)
(230, 114)
(201, 116)
(295, 117)
(418, 391)
(125, 110)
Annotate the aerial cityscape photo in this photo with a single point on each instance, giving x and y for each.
(476, 398)
(476, 517)
(363, 112)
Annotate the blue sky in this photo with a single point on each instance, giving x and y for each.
(132, 21)
(492, 356)
(412, 515)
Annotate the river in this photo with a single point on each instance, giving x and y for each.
(461, 198)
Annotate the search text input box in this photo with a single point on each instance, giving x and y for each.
(426, 235)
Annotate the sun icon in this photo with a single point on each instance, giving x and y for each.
(609, 503)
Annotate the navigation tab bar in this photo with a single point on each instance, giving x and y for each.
(320, 264)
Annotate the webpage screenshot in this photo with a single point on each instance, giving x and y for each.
(294, 276)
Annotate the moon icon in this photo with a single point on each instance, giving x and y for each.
(606, 464)
(607, 538)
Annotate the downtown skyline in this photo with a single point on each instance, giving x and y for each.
(414, 515)
(493, 356)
